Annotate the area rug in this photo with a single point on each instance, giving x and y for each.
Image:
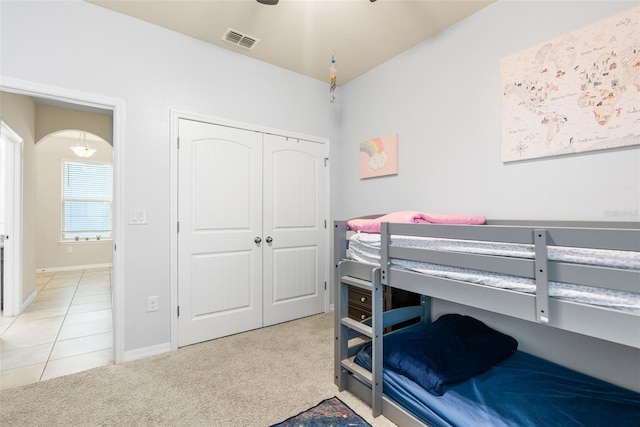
(330, 412)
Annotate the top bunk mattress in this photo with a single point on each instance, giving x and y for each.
(365, 247)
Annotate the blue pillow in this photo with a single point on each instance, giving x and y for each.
(449, 350)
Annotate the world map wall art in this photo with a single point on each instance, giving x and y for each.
(579, 92)
(379, 156)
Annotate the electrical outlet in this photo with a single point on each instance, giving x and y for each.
(69, 249)
(152, 304)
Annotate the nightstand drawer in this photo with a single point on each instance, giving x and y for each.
(359, 313)
(360, 301)
(359, 297)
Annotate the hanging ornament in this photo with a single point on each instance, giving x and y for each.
(332, 79)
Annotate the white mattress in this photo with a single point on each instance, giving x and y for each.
(365, 247)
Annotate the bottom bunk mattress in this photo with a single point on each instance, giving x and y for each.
(521, 390)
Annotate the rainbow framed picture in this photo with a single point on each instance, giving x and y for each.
(379, 157)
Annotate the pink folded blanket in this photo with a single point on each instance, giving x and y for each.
(372, 225)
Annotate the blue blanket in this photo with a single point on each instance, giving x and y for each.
(522, 390)
(449, 350)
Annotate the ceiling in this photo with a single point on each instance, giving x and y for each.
(304, 35)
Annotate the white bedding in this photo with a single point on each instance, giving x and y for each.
(365, 247)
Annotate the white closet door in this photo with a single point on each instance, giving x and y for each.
(294, 249)
(220, 214)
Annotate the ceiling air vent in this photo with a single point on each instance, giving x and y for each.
(239, 39)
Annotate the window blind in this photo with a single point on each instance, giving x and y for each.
(87, 200)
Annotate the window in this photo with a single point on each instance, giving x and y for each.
(86, 200)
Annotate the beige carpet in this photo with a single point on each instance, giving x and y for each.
(256, 378)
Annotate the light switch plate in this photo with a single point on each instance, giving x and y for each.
(152, 303)
(137, 216)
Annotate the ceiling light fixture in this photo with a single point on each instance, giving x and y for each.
(269, 2)
(82, 149)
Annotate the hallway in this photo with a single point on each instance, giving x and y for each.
(68, 328)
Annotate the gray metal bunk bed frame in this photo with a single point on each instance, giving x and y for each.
(607, 324)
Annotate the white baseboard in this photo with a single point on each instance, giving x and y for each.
(73, 267)
(28, 301)
(141, 353)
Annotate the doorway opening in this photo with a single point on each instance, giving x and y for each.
(87, 102)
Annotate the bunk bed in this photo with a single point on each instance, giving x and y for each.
(514, 388)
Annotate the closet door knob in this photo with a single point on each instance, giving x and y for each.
(268, 239)
(257, 240)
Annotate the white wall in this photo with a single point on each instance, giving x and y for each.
(443, 99)
(80, 46)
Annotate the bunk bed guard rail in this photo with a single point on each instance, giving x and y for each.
(536, 307)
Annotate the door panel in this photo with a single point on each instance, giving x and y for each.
(220, 214)
(294, 276)
(294, 187)
(222, 190)
(296, 270)
(228, 268)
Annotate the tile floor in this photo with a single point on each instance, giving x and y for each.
(66, 329)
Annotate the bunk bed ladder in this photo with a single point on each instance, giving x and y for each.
(349, 329)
